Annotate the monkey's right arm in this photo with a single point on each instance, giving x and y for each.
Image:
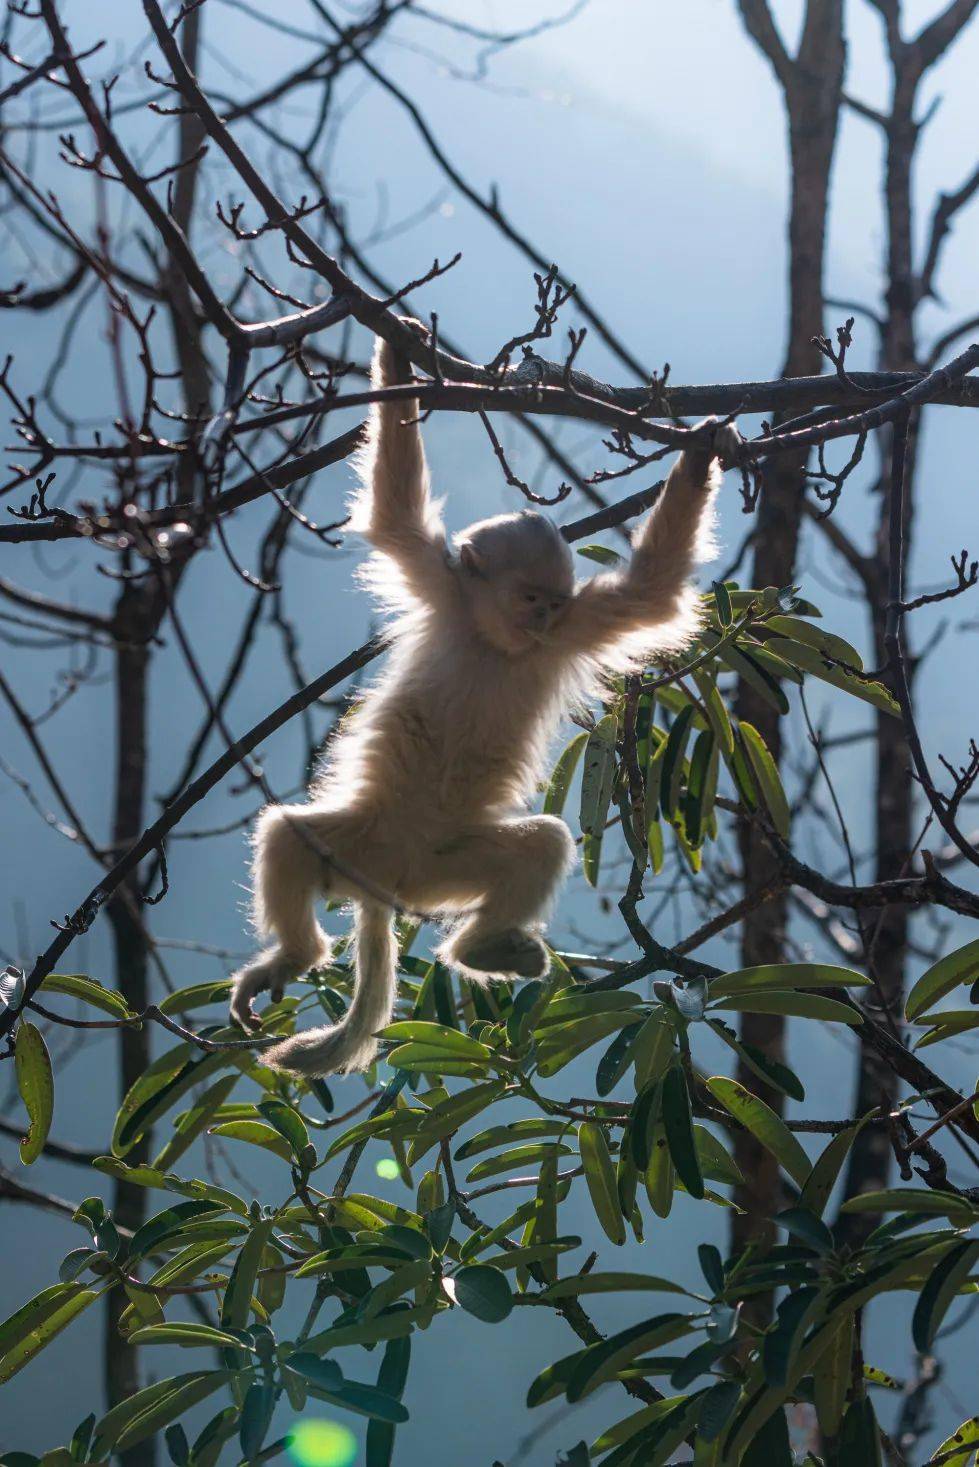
(394, 510)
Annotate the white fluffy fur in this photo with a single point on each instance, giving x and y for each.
(428, 781)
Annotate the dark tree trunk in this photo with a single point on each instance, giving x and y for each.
(812, 85)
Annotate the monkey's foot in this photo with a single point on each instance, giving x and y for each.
(511, 951)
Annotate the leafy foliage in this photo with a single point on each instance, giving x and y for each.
(462, 1106)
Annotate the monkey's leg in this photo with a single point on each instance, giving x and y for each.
(289, 875)
(517, 866)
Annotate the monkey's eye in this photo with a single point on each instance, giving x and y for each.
(531, 597)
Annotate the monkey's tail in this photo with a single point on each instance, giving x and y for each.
(350, 1045)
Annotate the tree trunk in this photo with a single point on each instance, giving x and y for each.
(812, 97)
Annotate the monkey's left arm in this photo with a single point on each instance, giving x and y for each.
(654, 589)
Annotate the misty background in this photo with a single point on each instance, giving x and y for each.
(642, 148)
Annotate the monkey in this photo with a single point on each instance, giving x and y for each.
(424, 798)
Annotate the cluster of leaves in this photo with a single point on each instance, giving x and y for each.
(466, 1111)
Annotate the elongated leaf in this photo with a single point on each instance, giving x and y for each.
(31, 1327)
(799, 1005)
(678, 1126)
(600, 1178)
(35, 1081)
(159, 1087)
(764, 1125)
(767, 775)
(943, 1284)
(528, 1129)
(771, 1446)
(517, 1158)
(811, 660)
(673, 759)
(437, 1037)
(772, 1071)
(962, 966)
(197, 996)
(88, 990)
(289, 1124)
(611, 1283)
(798, 630)
(195, 1121)
(831, 1374)
(185, 1334)
(162, 1403)
(599, 1363)
(241, 1285)
(391, 1379)
(255, 1133)
(966, 1437)
(597, 776)
(795, 1313)
(717, 713)
(786, 976)
(562, 775)
(931, 1203)
(826, 1169)
(859, 1440)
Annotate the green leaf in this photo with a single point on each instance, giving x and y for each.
(810, 660)
(758, 677)
(448, 1115)
(722, 600)
(798, 1005)
(600, 553)
(483, 1291)
(929, 1202)
(717, 1409)
(255, 1133)
(256, 1417)
(516, 1158)
(678, 1126)
(859, 1439)
(673, 754)
(961, 966)
(600, 1178)
(717, 713)
(715, 1162)
(289, 1124)
(399, 1321)
(943, 1284)
(391, 1379)
(151, 1176)
(563, 773)
(764, 1125)
(794, 628)
(90, 991)
(966, 1437)
(831, 1374)
(616, 1059)
(36, 1323)
(35, 1081)
(530, 1128)
(772, 1071)
(770, 1447)
(149, 1237)
(436, 1037)
(767, 775)
(187, 1335)
(807, 1227)
(160, 1085)
(601, 1362)
(195, 1121)
(365, 1399)
(197, 996)
(241, 1286)
(610, 1283)
(781, 1343)
(822, 1179)
(138, 1417)
(597, 776)
(786, 976)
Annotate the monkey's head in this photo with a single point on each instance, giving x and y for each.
(517, 575)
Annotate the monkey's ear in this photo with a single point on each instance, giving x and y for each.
(470, 558)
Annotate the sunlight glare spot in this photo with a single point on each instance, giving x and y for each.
(322, 1444)
(387, 1169)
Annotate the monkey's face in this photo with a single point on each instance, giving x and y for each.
(517, 576)
(514, 610)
